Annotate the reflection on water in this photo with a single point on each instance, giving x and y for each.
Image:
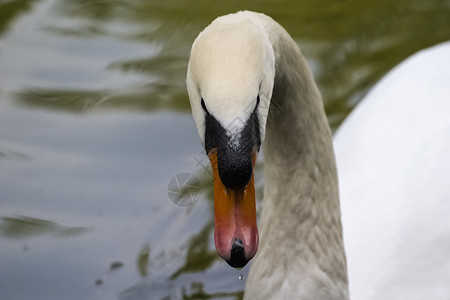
(22, 227)
(134, 54)
(94, 122)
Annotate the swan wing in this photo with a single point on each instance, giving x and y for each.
(393, 155)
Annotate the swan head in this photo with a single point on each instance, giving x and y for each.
(230, 80)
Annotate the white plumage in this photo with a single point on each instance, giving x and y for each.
(394, 163)
(393, 155)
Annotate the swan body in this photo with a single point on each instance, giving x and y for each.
(249, 83)
(393, 155)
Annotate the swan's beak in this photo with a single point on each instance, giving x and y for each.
(235, 231)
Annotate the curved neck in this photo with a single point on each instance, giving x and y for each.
(301, 252)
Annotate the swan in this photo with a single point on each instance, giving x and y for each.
(249, 85)
(393, 155)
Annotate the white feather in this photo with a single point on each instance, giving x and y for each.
(236, 45)
(393, 156)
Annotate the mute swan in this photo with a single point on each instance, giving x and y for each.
(245, 71)
(393, 155)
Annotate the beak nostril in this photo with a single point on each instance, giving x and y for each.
(237, 257)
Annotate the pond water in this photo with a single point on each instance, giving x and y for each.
(96, 135)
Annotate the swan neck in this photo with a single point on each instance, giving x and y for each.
(301, 208)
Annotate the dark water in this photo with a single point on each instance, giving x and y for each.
(95, 124)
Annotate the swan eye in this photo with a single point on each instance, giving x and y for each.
(204, 106)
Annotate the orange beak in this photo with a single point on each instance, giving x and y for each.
(235, 231)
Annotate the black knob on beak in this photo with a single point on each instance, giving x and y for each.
(235, 170)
